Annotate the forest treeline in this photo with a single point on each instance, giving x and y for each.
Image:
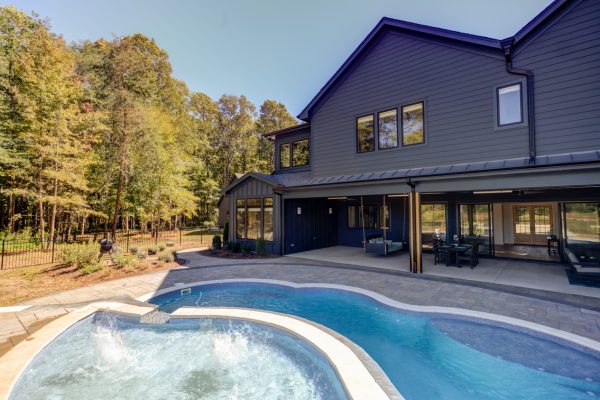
(100, 135)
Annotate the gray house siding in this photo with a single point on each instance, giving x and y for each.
(252, 188)
(457, 87)
(289, 138)
(565, 60)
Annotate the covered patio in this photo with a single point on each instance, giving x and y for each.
(525, 274)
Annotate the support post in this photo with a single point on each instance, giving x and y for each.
(414, 203)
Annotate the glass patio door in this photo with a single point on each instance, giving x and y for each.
(475, 223)
(532, 224)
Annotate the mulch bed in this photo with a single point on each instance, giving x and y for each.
(232, 255)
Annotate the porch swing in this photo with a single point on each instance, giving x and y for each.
(380, 244)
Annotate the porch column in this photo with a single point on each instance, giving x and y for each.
(414, 206)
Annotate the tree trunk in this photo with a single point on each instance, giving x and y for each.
(53, 215)
(83, 225)
(11, 213)
(41, 226)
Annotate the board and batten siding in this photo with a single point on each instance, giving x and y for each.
(565, 60)
(252, 188)
(458, 87)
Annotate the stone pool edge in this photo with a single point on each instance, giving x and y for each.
(480, 315)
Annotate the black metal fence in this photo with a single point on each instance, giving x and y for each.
(30, 252)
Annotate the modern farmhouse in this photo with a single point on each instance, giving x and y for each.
(425, 134)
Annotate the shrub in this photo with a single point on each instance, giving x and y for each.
(82, 256)
(260, 246)
(166, 256)
(141, 255)
(226, 234)
(90, 269)
(162, 246)
(170, 244)
(134, 249)
(123, 260)
(236, 247)
(216, 242)
(152, 250)
(245, 248)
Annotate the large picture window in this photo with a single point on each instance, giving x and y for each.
(374, 217)
(413, 129)
(240, 219)
(388, 129)
(253, 219)
(433, 222)
(268, 218)
(509, 105)
(284, 155)
(300, 153)
(365, 134)
(582, 224)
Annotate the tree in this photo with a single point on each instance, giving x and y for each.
(273, 116)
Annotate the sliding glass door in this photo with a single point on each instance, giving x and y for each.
(475, 225)
(581, 228)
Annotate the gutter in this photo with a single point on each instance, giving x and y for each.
(507, 45)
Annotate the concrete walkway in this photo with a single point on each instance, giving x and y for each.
(575, 314)
(524, 274)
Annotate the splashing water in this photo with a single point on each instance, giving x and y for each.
(104, 357)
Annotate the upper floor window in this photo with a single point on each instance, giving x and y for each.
(365, 133)
(300, 154)
(388, 129)
(510, 109)
(413, 130)
(284, 155)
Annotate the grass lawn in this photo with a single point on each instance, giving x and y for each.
(20, 284)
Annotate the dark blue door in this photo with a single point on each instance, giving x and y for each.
(309, 224)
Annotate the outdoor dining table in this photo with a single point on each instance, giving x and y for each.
(453, 251)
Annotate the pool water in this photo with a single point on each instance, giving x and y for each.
(112, 357)
(426, 356)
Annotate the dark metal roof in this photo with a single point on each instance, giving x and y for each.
(290, 129)
(303, 179)
(430, 31)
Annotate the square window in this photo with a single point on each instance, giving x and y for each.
(365, 134)
(413, 129)
(388, 129)
(510, 109)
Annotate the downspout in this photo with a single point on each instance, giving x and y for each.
(507, 45)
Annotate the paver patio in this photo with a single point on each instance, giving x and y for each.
(568, 312)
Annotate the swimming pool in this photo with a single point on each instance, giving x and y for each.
(426, 356)
(111, 356)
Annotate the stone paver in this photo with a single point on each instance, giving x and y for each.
(579, 315)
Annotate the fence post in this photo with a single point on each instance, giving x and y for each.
(53, 241)
(2, 257)
(180, 236)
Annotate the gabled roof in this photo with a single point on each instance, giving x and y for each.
(419, 30)
(290, 129)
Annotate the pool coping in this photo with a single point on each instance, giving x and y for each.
(511, 321)
(360, 376)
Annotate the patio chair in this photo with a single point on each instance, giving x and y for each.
(439, 255)
(469, 257)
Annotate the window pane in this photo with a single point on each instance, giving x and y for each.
(388, 129)
(240, 219)
(542, 220)
(268, 218)
(509, 105)
(253, 218)
(284, 155)
(583, 223)
(413, 131)
(433, 219)
(300, 153)
(522, 221)
(351, 216)
(365, 134)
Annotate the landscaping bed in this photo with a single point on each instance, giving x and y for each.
(221, 253)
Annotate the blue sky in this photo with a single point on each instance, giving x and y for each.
(279, 49)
